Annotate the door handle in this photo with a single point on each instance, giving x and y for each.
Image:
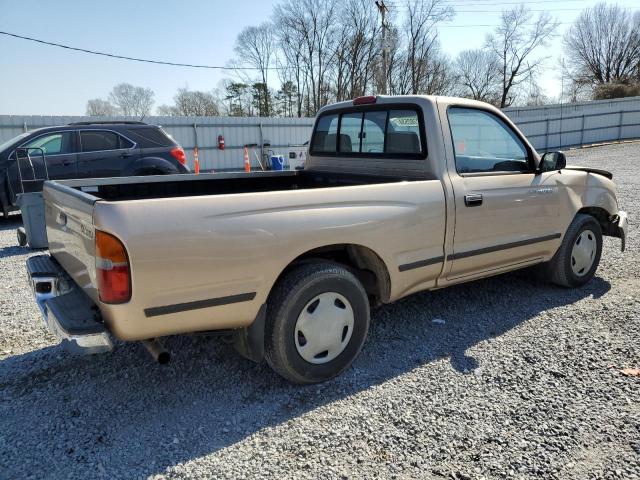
(66, 163)
(125, 154)
(473, 199)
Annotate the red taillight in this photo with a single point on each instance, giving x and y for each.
(365, 100)
(112, 269)
(178, 154)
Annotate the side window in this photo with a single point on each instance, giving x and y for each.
(325, 136)
(484, 143)
(125, 143)
(403, 132)
(96, 140)
(149, 137)
(373, 132)
(350, 132)
(52, 144)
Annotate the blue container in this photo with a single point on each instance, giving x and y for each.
(277, 162)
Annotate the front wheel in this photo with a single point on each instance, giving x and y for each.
(317, 322)
(577, 259)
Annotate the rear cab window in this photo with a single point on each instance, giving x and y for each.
(324, 136)
(377, 131)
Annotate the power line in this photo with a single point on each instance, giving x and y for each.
(124, 57)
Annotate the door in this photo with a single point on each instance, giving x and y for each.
(506, 214)
(56, 148)
(104, 153)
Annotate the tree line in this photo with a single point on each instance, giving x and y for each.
(313, 52)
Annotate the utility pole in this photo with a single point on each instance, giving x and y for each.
(382, 8)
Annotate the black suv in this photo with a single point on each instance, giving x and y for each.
(85, 150)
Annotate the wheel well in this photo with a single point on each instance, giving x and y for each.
(363, 262)
(601, 215)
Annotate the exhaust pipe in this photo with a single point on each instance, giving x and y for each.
(157, 351)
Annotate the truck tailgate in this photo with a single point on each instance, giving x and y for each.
(69, 219)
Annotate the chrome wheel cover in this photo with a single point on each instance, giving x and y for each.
(324, 328)
(583, 253)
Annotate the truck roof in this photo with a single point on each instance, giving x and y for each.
(390, 99)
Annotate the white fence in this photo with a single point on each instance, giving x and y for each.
(554, 127)
(548, 128)
(281, 133)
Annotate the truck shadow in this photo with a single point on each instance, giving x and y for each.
(129, 417)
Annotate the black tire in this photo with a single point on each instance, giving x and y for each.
(287, 300)
(559, 269)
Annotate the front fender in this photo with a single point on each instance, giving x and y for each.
(580, 190)
(600, 192)
(595, 195)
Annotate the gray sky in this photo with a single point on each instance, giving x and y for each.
(39, 79)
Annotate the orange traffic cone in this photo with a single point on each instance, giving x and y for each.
(247, 164)
(196, 161)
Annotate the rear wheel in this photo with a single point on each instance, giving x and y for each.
(577, 259)
(317, 322)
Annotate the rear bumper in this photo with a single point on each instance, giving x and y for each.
(66, 311)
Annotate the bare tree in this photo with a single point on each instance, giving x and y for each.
(191, 103)
(255, 46)
(167, 111)
(196, 103)
(425, 63)
(290, 65)
(312, 23)
(97, 107)
(131, 100)
(514, 43)
(478, 75)
(603, 46)
(536, 97)
(357, 50)
(238, 98)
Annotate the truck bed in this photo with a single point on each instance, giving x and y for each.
(193, 240)
(168, 186)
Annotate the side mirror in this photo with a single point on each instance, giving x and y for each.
(552, 161)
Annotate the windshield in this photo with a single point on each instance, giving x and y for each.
(13, 140)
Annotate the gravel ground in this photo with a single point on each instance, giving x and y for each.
(521, 381)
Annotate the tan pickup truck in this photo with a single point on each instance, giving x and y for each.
(398, 195)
